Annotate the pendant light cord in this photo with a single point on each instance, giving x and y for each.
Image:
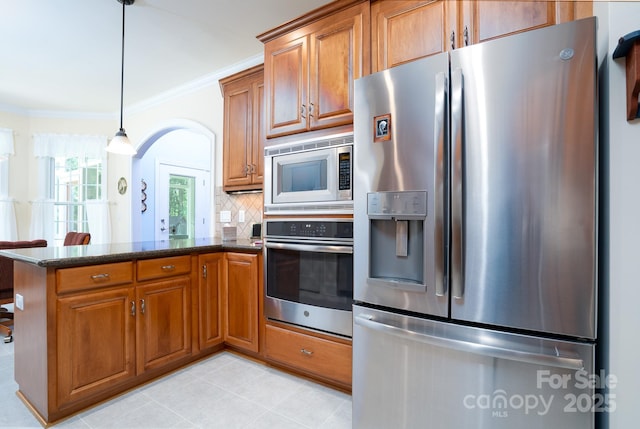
(124, 4)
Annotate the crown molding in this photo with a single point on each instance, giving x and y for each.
(196, 85)
(187, 88)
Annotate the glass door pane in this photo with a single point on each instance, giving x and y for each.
(181, 206)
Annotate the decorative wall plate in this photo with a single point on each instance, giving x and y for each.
(122, 186)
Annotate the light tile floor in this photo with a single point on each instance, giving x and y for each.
(223, 391)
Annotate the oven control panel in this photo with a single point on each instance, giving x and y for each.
(310, 228)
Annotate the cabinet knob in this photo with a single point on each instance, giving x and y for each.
(253, 169)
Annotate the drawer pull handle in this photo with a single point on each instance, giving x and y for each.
(306, 352)
(168, 267)
(142, 306)
(133, 308)
(100, 277)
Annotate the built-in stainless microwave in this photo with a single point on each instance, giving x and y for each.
(313, 176)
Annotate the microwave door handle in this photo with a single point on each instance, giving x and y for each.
(310, 247)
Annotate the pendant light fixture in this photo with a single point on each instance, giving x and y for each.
(120, 142)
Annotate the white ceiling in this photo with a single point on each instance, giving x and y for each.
(64, 55)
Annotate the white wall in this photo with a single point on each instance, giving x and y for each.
(201, 103)
(182, 148)
(23, 167)
(622, 271)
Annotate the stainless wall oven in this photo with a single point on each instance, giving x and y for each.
(309, 273)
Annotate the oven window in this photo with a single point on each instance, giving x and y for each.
(304, 176)
(314, 278)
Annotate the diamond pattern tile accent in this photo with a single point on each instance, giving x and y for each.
(252, 205)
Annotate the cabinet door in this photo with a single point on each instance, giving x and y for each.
(407, 30)
(286, 81)
(241, 296)
(164, 324)
(259, 136)
(238, 133)
(209, 302)
(488, 19)
(336, 60)
(243, 136)
(95, 342)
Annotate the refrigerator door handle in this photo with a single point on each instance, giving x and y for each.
(457, 185)
(439, 139)
(553, 359)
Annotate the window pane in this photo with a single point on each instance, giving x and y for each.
(76, 181)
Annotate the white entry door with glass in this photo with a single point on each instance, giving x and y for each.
(182, 203)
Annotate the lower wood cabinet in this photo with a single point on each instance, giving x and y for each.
(241, 299)
(212, 276)
(315, 355)
(111, 329)
(163, 322)
(96, 342)
(97, 330)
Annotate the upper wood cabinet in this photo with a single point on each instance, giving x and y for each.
(243, 130)
(407, 30)
(483, 20)
(310, 69)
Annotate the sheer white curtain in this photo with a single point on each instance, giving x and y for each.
(6, 143)
(42, 212)
(99, 221)
(47, 146)
(52, 145)
(8, 226)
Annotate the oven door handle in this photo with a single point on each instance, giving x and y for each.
(310, 247)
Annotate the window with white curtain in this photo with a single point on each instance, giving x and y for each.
(72, 189)
(76, 180)
(8, 227)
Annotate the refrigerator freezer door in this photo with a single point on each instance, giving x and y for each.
(400, 143)
(410, 373)
(524, 173)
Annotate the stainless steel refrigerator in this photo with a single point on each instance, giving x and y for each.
(475, 237)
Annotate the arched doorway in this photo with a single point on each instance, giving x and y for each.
(184, 146)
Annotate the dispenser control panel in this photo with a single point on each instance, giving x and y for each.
(408, 203)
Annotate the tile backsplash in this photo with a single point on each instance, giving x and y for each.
(251, 203)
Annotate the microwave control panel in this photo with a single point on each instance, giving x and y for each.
(344, 171)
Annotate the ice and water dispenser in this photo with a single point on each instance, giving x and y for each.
(397, 238)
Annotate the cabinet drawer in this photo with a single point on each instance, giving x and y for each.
(325, 358)
(93, 276)
(163, 267)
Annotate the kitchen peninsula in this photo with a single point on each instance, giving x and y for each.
(94, 321)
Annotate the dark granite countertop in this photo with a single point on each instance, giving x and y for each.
(69, 256)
